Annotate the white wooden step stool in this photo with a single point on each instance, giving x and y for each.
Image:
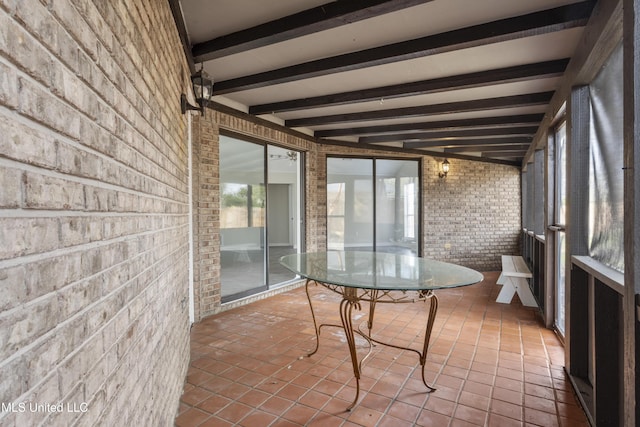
(514, 279)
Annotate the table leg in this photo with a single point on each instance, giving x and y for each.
(433, 309)
(349, 301)
(372, 309)
(313, 316)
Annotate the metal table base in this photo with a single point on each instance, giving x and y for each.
(352, 298)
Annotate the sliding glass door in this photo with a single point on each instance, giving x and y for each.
(373, 204)
(254, 229)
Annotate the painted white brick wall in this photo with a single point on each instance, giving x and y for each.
(93, 213)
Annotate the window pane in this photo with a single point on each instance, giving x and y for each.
(335, 215)
(560, 210)
(233, 212)
(284, 210)
(242, 217)
(538, 192)
(349, 204)
(397, 206)
(561, 175)
(560, 281)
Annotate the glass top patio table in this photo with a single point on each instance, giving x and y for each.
(376, 277)
(379, 270)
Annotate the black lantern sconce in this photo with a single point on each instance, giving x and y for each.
(203, 90)
(445, 169)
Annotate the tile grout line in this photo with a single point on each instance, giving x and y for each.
(469, 319)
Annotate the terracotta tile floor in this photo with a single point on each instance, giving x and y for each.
(492, 364)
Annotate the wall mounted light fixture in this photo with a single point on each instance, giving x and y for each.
(203, 90)
(445, 169)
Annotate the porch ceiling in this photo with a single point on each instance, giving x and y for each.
(455, 78)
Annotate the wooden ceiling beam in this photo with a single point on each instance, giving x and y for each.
(531, 99)
(457, 133)
(178, 18)
(493, 148)
(540, 70)
(451, 143)
(511, 154)
(537, 23)
(505, 154)
(494, 122)
(321, 18)
(420, 152)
